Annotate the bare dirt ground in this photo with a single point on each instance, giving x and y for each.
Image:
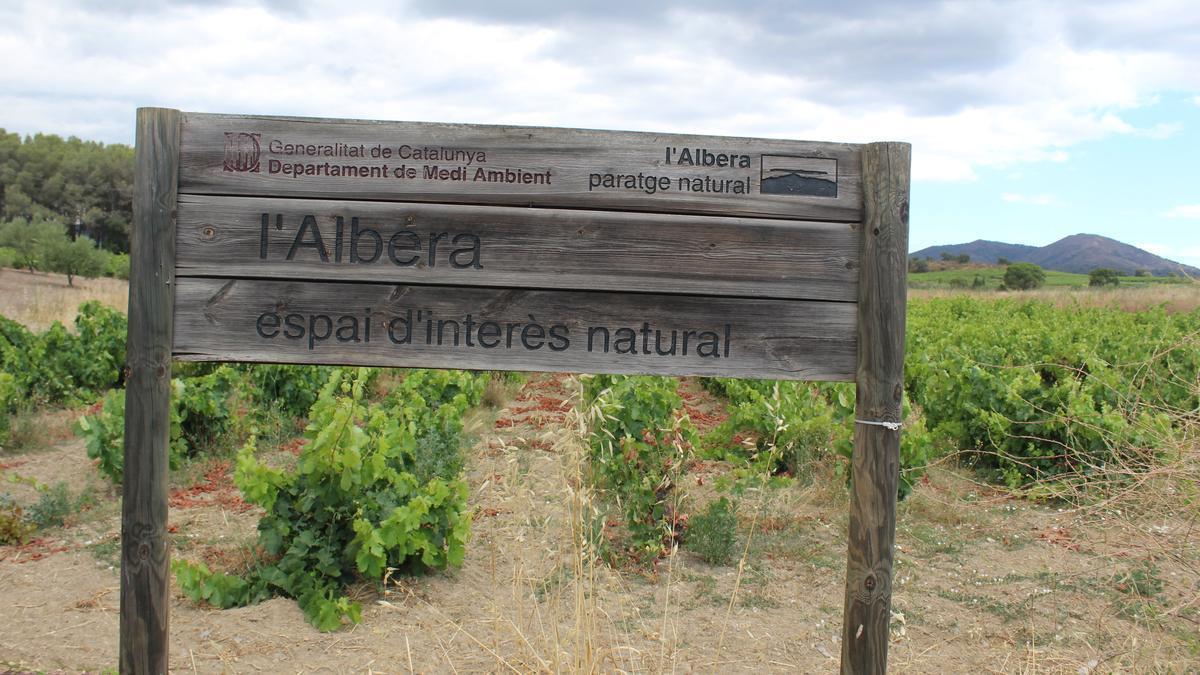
(984, 582)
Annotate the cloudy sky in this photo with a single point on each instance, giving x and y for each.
(1029, 121)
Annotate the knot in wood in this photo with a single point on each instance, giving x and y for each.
(869, 583)
(208, 232)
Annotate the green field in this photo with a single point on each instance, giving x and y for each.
(993, 276)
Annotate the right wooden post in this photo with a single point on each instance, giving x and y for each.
(879, 378)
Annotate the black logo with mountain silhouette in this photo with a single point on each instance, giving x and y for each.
(799, 176)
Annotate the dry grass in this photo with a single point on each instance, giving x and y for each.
(1172, 297)
(40, 428)
(39, 299)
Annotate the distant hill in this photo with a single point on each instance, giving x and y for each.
(1078, 253)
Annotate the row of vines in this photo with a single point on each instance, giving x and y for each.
(1028, 394)
(1023, 392)
(376, 487)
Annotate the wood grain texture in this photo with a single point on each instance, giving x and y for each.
(144, 555)
(217, 319)
(233, 155)
(880, 381)
(518, 247)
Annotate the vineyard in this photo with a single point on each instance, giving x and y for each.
(450, 520)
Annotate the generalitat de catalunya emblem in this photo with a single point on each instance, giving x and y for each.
(241, 151)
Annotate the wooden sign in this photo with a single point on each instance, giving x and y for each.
(622, 224)
(510, 247)
(286, 240)
(521, 166)
(511, 329)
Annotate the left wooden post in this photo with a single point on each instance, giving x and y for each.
(144, 546)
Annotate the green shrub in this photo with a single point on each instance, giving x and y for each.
(1102, 276)
(102, 333)
(203, 405)
(74, 258)
(57, 366)
(790, 423)
(353, 506)
(30, 240)
(104, 434)
(1023, 276)
(1034, 391)
(54, 506)
(636, 448)
(10, 400)
(292, 390)
(793, 423)
(712, 535)
(437, 399)
(116, 265)
(13, 334)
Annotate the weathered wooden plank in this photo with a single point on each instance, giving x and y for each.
(880, 380)
(144, 555)
(511, 329)
(516, 247)
(523, 166)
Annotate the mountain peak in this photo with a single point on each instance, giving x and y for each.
(1079, 253)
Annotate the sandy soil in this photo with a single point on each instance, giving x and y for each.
(984, 582)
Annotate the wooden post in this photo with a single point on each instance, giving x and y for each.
(880, 388)
(144, 556)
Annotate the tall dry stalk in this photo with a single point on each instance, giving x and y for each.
(585, 638)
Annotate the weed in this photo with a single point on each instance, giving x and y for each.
(712, 535)
(53, 507)
(933, 540)
(107, 551)
(496, 391)
(1142, 581)
(1004, 610)
(24, 430)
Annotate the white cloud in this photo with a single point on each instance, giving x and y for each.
(1183, 211)
(1036, 200)
(992, 85)
(1160, 131)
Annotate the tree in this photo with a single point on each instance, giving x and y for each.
(30, 240)
(45, 177)
(1102, 276)
(1141, 273)
(1003, 261)
(74, 258)
(916, 265)
(1023, 276)
(963, 258)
